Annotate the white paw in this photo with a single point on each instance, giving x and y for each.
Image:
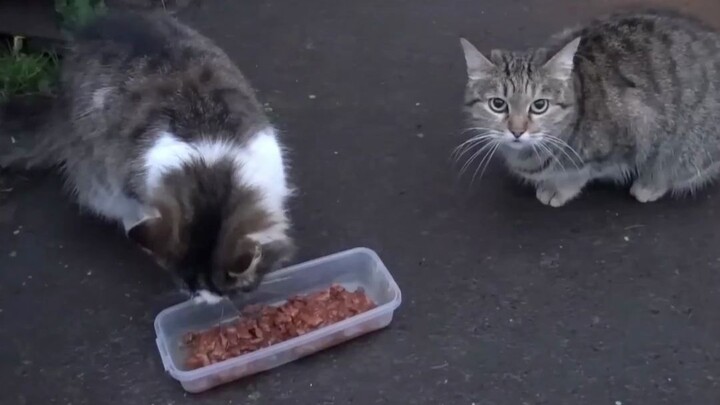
(206, 297)
(644, 195)
(556, 197)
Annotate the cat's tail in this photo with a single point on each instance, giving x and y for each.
(32, 130)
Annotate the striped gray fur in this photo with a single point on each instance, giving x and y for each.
(635, 100)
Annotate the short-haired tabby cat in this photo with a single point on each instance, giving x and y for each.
(155, 128)
(630, 98)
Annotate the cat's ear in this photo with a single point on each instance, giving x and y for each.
(247, 256)
(478, 66)
(141, 233)
(561, 65)
(149, 233)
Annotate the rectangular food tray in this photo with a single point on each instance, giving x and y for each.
(355, 268)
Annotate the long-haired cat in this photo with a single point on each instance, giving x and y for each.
(632, 97)
(155, 128)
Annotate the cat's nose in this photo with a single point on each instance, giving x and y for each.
(517, 134)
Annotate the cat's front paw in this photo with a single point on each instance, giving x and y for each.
(645, 194)
(556, 196)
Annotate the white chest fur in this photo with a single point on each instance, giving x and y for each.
(258, 163)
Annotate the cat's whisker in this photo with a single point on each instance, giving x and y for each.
(553, 156)
(477, 153)
(464, 147)
(469, 148)
(473, 139)
(486, 159)
(561, 146)
(474, 156)
(456, 156)
(553, 146)
(481, 134)
(565, 145)
(546, 150)
(549, 152)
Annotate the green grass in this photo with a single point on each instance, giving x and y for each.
(29, 73)
(24, 73)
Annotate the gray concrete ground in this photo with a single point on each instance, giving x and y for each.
(605, 301)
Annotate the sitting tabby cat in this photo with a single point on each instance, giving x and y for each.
(629, 98)
(155, 128)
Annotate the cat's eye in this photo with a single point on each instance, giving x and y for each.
(539, 106)
(498, 105)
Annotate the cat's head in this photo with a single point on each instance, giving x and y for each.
(213, 234)
(520, 99)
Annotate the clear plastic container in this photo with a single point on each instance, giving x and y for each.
(352, 269)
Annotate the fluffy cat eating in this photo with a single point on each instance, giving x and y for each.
(155, 128)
